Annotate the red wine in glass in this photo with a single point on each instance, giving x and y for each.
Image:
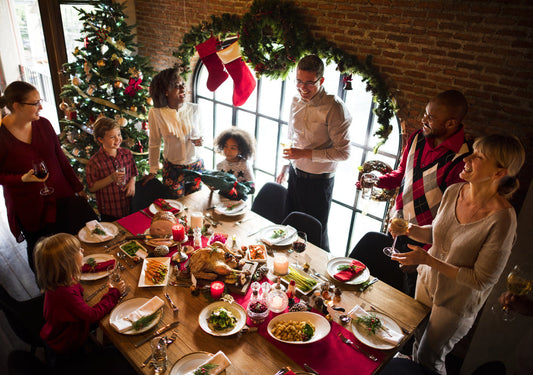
(41, 171)
(299, 245)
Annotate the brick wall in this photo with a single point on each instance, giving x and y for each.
(483, 48)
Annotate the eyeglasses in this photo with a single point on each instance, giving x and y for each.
(308, 83)
(36, 104)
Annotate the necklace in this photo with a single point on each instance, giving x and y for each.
(479, 207)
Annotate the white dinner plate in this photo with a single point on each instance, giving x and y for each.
(234, 308)
(164, 260)
(130, 306)
(88, 276)
(267, 235)
(231, 208)
(322, 326)
(374, 341)
(189, 362)
(334, 264)
(85, 234)
(153, 208)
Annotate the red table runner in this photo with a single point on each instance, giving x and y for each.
(327, 356)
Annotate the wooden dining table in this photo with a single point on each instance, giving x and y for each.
(249, 353)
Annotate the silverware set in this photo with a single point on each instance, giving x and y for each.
(95, 293)
(212, 221)
(356, 347)
(243, 220)
(124, 257)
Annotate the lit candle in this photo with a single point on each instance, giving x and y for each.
(281, 264)
(217, 288)
(197, 219)
(277, 302)
(178, 232)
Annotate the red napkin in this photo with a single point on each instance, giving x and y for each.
(355, 269)
(165, 206)
(100, 266)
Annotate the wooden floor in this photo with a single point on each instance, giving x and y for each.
(16, 277)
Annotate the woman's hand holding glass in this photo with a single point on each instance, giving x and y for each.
(397, 227)
(518, 284)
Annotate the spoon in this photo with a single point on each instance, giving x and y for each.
(210, 218)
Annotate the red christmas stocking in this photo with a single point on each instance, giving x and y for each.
(243, 79)
(207, 52)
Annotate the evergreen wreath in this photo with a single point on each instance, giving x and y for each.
(273, 39)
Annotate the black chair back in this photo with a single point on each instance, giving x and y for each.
(369, 250)
(25, 317)
(147, 193)
(271, 202)
(305, 223)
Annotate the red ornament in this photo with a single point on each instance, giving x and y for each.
(133, 86)
(86, 42)
(145, 125)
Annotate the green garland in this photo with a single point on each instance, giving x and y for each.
(273, 39)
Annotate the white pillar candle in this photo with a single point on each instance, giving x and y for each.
(197, 220)
(281, 264)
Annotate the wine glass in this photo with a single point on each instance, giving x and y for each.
(517, 284)
(41, 171)
(299, 245)
(400, 226)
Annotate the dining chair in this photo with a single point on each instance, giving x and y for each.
(271, 202)
(305, 223)
(147, 193)
(24, 317)
(20, 362)
(369, 250)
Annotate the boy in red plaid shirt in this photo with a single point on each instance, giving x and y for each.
(111, 171)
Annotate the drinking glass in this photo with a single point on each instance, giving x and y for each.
(400, 226)
(115, 276)
(121, 181)
(41, 171)
(299, 245)
(159, 354)
(368, 180)
(518, 284)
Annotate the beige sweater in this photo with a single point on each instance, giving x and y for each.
(479, 249)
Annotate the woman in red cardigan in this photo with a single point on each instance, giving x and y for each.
(26, 137)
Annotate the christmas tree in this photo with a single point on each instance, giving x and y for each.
(107, 79)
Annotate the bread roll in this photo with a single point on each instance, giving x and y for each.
(162, 223)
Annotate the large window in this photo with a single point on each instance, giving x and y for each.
(265, 115)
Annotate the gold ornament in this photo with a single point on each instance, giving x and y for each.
(134, 72)
(149, 101)
(100, 63)
(90, 89)
(76, 51)
(118, 85)
(76, 81)
(133, 108)
(122, 121)
(63, 106)
(86, 67)
(115, 57)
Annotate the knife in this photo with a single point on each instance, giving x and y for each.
(157, 333)
(174, 307)
(92, 295)
(310, 369)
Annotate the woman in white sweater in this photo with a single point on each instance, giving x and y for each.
(177, 124)
(471, 239)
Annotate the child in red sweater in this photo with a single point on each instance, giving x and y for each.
(58, 261)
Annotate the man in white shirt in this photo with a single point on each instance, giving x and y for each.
(319, 129)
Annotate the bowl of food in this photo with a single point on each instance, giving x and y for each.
(222, 318)
(299, 327)
(257, 253)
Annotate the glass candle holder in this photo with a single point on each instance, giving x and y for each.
(217, 289)
(277, 301)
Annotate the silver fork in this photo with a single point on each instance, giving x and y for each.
(355, 346)
(168, 341)
(243, 220)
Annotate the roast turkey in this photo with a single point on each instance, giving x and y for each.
(210, 262)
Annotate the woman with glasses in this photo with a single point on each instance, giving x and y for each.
(27, 138)
(177, 123)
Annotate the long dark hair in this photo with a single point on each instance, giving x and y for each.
(161, 83)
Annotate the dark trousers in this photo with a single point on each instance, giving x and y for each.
(312, 196)
(409, 271)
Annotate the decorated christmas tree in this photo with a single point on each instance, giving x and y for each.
(107, 79)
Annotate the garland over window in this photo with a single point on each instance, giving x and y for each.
(273, 39)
